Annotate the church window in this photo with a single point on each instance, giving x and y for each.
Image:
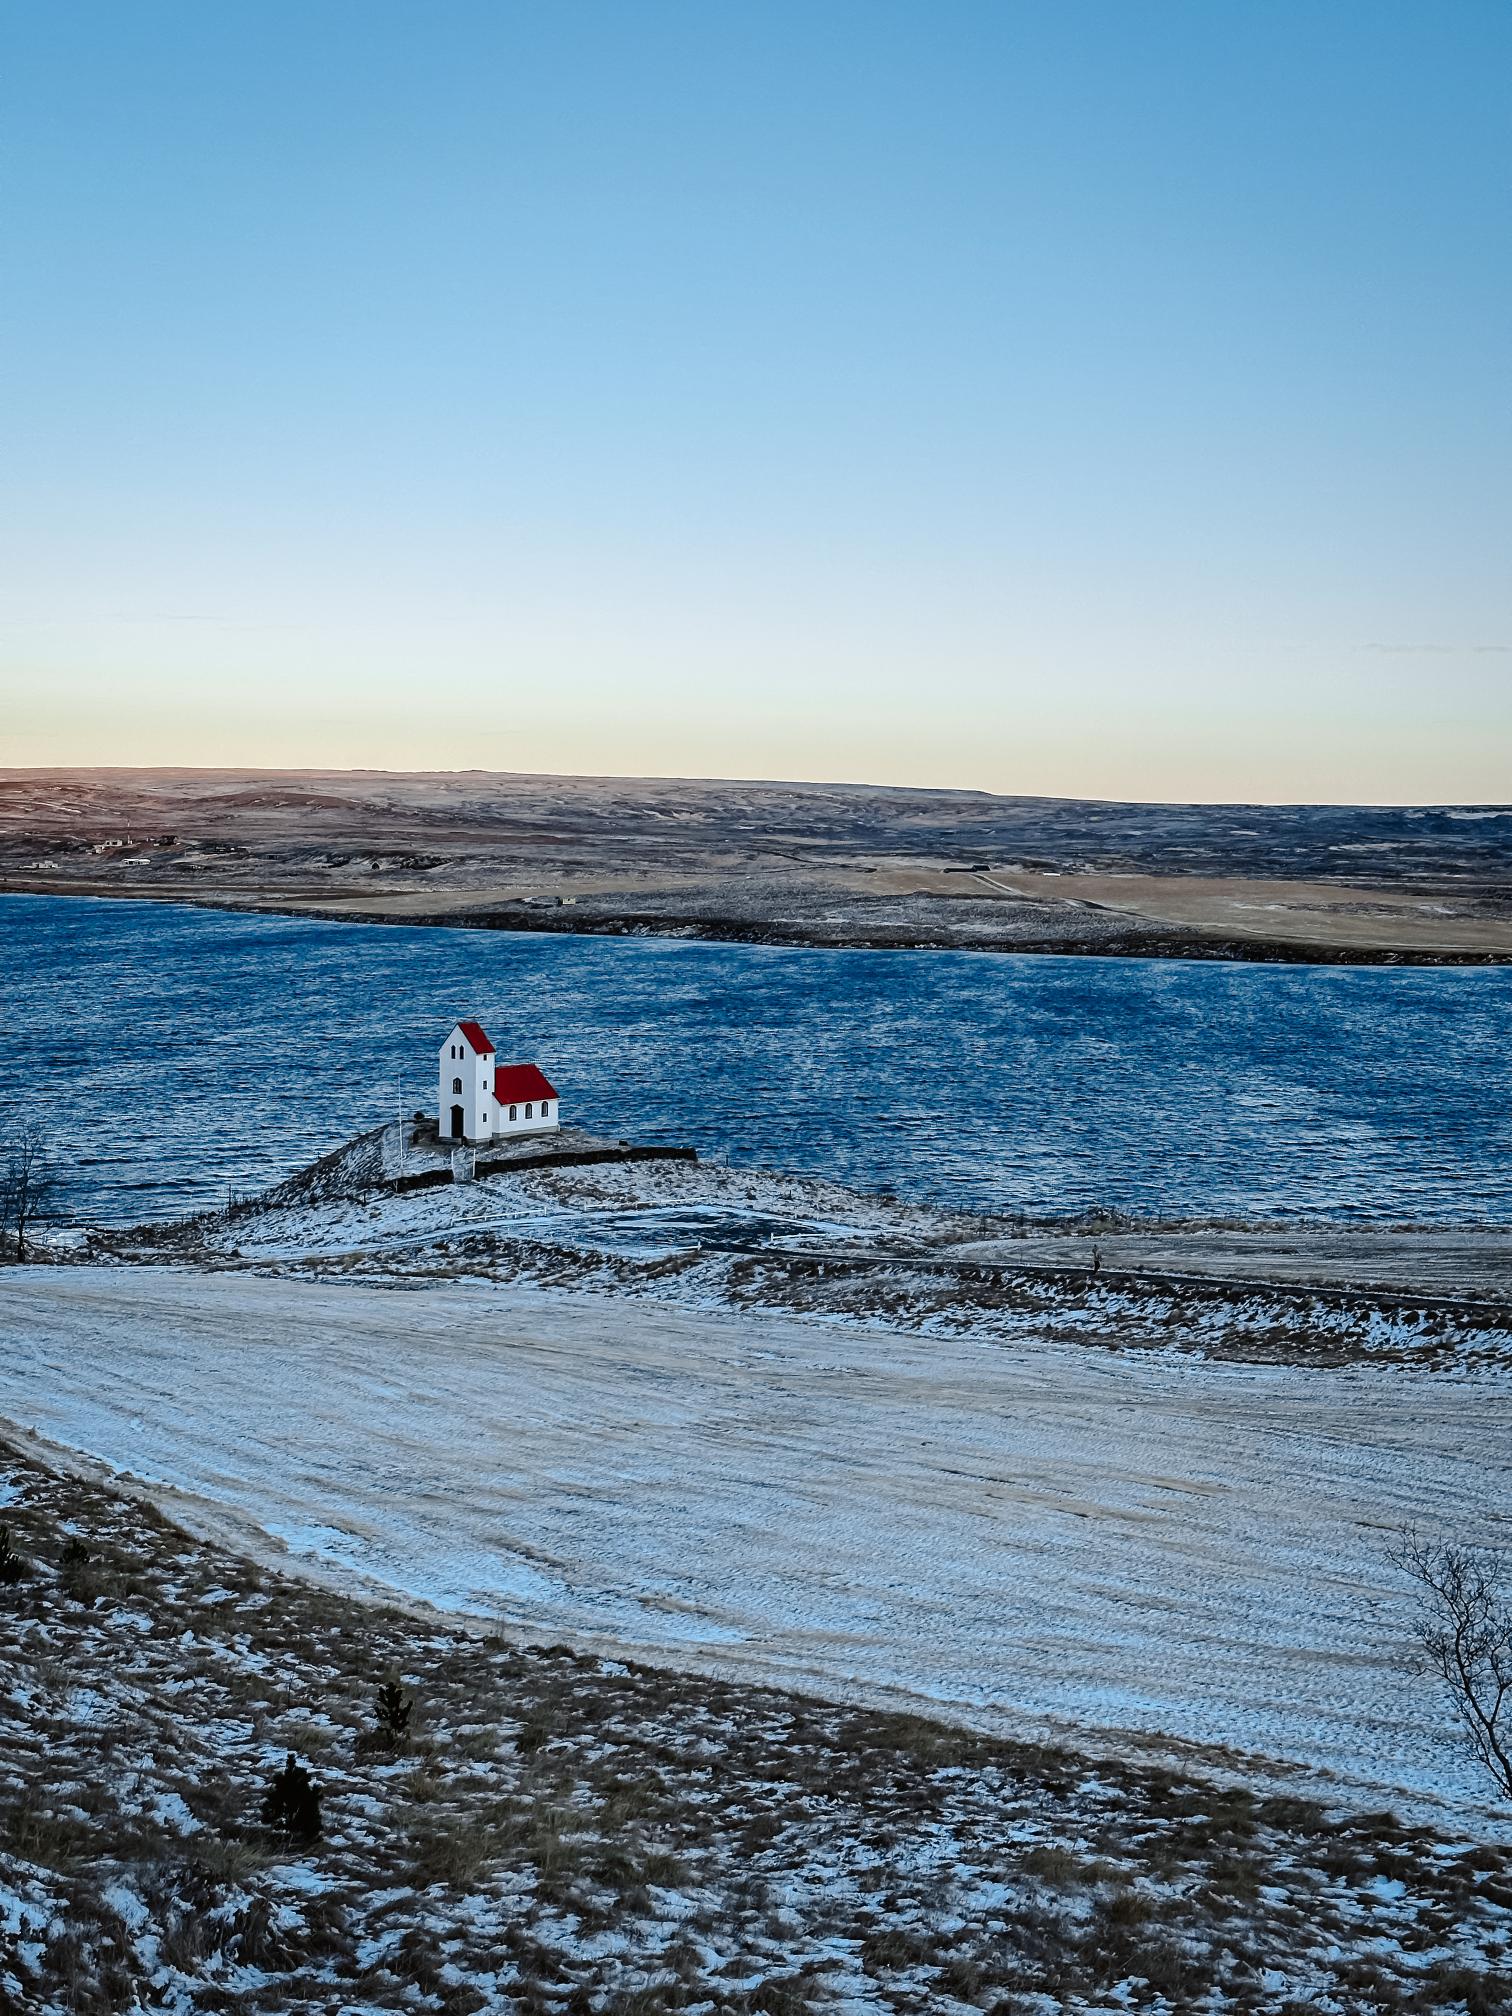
(456, 1084)
(514, 1112)
(527, 1112)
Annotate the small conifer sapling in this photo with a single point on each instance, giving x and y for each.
(291, 1804)
(394, 1710)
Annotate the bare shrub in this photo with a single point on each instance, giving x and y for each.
(27, 1180)
(1465, 1632)
(77, 1573)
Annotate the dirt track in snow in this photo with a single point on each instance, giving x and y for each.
(1039, 1539)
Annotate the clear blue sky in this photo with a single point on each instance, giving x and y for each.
(1081, 398)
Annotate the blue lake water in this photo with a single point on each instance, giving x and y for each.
(174, 1054)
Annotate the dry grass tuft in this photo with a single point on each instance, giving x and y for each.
(573, 1840)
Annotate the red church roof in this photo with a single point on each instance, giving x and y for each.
(473, 1031)
(522, 1081)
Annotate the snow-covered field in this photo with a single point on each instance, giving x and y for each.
(773, 1245)
(1034, 1537)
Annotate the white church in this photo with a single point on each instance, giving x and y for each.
(481, 1100)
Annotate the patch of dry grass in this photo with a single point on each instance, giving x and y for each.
(558, 1836)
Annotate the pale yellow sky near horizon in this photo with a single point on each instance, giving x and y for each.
(1042, 761)
(830, 701)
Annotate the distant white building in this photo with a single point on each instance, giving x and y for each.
(480, 1100)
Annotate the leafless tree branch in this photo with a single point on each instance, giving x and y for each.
(1465, 1633)
(26, 1183)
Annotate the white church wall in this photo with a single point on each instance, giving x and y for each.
(535, 1124)
(458, 1060)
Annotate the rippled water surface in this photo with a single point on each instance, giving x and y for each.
(175, 1054)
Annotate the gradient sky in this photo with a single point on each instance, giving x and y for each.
(1097, 399)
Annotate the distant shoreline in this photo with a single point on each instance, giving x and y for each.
(800, 867)
(1164, 943)
(1136, 945)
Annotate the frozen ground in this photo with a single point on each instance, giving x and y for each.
(710, 1237)
(1151, 1551)
(556, 1832)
